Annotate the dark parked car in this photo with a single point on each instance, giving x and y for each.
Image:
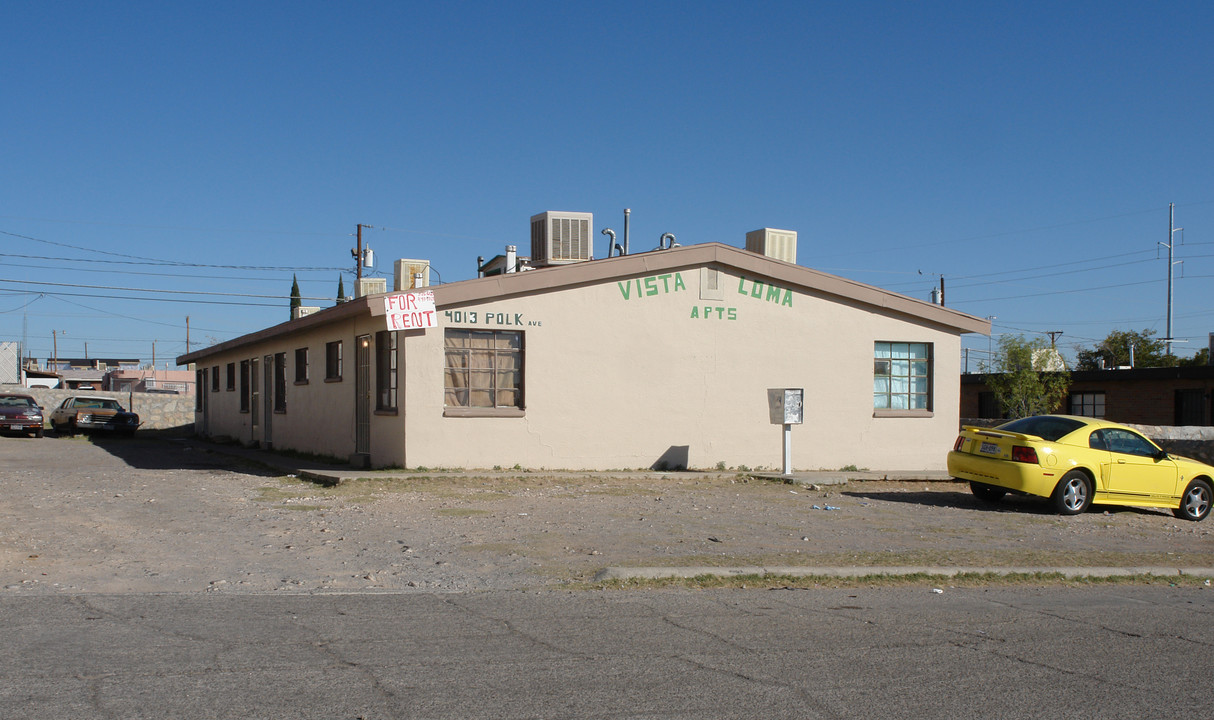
(87, 413)
(20, 413)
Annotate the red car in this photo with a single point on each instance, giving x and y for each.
(20, 413)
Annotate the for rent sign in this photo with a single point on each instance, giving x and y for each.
(411, 311)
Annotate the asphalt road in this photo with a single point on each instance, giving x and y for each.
(1111, 652)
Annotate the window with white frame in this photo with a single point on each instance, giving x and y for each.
(385, 371)
(333, 362)
(902, 376)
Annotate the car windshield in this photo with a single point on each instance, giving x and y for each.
(16, 402)
(97, 404)
(1048, 427)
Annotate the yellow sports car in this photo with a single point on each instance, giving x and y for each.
(1077, 461)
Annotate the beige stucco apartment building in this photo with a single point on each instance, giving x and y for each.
(660, 359)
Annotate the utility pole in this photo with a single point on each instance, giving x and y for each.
(1172, 230)
(1053, 335)
(187, 334)
(358, 253)
(990, 349)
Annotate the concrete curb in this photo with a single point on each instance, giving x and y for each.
(803, 479)
(659, 573)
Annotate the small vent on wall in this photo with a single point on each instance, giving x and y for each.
(710, 284)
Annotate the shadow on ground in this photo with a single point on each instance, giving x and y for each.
(148, 452)
(963, 499)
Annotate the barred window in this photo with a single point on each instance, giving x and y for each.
(902, 376)
(280, 382)
(484, 369)
(244, 386)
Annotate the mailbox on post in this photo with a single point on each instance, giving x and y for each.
(787, 407)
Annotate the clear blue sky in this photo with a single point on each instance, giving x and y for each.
(1025, 151)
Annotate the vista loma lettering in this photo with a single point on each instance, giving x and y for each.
(652, 285)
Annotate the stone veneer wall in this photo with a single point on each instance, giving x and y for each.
(157, 411)
(1192, 441)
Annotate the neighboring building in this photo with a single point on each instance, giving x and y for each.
(180, 382)
(1143, 396)
(661, 359)
(102, 364)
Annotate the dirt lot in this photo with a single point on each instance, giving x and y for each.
(144, 515)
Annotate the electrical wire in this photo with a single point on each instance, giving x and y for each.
(167, 292)
(172, 263)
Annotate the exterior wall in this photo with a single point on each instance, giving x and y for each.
(624, 370)
(621, 375)
(319, 416)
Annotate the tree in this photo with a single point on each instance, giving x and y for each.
(1201, 357)
(1020, 388)
(1114, 351)
(296, 300)
(341, 290)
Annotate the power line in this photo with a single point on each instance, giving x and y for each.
(171, 263)
(167, 292)
(133, 272)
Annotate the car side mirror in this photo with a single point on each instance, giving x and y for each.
(1161, 455)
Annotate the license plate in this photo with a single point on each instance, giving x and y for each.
(16, 427)
(989, 449)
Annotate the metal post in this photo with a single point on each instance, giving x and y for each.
(627, 215)
(1171, 231)
(787, 449)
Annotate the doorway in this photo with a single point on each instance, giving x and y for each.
(362, 396)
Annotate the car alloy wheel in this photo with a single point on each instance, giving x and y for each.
(1073, 494)
(1195, 503)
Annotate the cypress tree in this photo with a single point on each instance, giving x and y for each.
(341, 289)
(296, 300)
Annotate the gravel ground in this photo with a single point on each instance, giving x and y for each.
(80, 515)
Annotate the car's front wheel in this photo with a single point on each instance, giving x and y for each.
(986, 493)
(1073, 494)
(1195, 503)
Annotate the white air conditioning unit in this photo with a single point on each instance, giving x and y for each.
(303, 311)
(559, 238)
(404, 272)
(370, 286)
(778, 244)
